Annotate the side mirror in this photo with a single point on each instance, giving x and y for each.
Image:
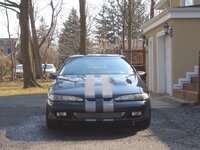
(141, 73)
(53, 75)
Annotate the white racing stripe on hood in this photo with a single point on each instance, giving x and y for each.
(90, 106)
(108, 106)
(106, 86)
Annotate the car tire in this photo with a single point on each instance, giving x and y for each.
(52, 124)
(144, 124)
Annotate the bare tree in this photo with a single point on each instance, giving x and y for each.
(11, 47)
(56, 9)
(28, 75)
(152, 8)
(129, 24)
(54, 16)
(83, 40)
(22, 10)
(48, 35)
(123, 9)
(35, 45)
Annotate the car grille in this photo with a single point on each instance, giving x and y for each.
(116, 115)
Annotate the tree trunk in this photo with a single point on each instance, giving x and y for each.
(130, 25)
(11, 48)
(82, 27)
(124, 25)
(152, 8)
(28, 76)
(37, 60)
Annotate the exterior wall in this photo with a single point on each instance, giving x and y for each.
(185, 46)
(185, 41)
(196, 2)
(5, 45)
(177, 3)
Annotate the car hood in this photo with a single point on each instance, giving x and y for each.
(119, 85)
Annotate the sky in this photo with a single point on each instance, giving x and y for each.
(45, 11)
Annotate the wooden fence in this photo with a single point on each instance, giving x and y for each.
(136, 57)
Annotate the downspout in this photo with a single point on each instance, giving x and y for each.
(170, 3)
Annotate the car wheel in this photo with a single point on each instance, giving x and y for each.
(144, 124)
(52, 124)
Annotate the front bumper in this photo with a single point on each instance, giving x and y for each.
(75, 111)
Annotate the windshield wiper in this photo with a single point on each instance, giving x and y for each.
(64, 78)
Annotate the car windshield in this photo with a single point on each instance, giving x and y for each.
(96, 66)
(19, 67)
(48, 66)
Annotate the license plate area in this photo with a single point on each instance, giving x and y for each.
(116, 115)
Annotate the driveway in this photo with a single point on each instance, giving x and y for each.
(22, 126)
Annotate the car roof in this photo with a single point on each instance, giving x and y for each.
(48, 64)
(97, 55)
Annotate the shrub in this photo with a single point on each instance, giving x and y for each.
(5, 65)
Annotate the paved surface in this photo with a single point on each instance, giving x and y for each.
(22, 126)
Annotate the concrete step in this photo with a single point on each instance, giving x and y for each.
(185, 94)
(194, 79)
(190, 86)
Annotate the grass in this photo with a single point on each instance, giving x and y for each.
(16, 88)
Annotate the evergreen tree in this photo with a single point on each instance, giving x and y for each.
(69, 40)
(43, 28)
(112, 21)
(108, 23)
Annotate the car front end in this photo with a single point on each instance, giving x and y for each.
(129, 110)
(101, 97)
(106, 103)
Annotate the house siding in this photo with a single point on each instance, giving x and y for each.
(185, 41)
(196, 2)
(185, 46)
(5, 45)
(175, 3)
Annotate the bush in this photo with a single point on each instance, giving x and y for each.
(5, 65)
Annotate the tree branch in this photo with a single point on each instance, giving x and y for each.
(54, 16)
(9, 8)
(10, 4)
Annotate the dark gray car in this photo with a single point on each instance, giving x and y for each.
(98, 88)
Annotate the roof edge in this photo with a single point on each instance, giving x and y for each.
(171, 13)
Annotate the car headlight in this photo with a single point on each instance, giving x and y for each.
(54, 97)
(132, 97)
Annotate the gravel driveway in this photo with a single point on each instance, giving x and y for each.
(22, 126)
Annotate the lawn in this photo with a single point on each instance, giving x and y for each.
(16, 88)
